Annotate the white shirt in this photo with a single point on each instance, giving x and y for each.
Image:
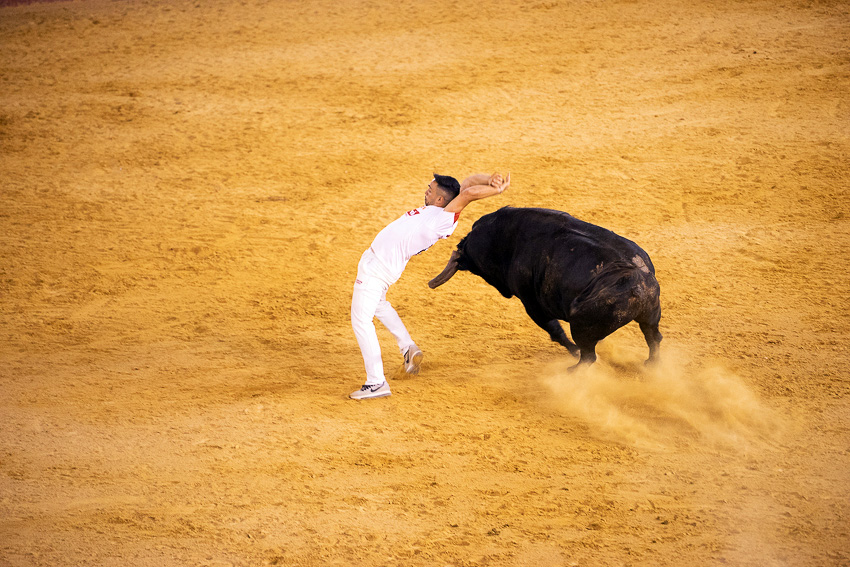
(412, 233)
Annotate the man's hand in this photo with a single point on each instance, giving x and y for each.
(499, 183)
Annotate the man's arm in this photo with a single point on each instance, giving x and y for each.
(479, 186)
(476, 179)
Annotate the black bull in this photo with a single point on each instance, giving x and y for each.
(565, 269)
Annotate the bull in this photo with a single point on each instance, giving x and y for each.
(562, 268)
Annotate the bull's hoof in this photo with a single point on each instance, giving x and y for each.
(580, 365)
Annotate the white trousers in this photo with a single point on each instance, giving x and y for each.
(369, 300)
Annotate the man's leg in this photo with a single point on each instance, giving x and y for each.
(389, 317)
(364, 303)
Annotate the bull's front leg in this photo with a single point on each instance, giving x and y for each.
(551, 326)
(447, 272)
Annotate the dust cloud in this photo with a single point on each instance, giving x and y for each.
(676, 401)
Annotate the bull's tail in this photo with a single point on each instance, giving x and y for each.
(621, 292)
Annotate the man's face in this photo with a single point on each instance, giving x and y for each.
(433, 196)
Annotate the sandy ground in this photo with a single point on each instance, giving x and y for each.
(187, 188)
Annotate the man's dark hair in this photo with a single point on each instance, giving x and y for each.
(448, 184)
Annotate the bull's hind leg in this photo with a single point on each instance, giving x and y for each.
(653, 340)
(649, 326)
(551, 326)
(586, 342)
(588, 331)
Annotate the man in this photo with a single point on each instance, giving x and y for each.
(383, 263)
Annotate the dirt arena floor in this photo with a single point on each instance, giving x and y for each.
(187, 187)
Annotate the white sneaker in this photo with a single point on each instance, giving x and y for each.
(371, 391)
(413, 359)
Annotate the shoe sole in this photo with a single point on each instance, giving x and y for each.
(381, 395)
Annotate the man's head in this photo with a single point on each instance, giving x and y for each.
(441, 190)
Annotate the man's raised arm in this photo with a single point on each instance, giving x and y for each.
(478, 186)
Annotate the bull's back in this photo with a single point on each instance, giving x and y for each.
(524, 235)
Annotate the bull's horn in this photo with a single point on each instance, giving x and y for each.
(447, 272)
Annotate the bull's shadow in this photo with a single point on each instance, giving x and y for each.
(563, 269)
